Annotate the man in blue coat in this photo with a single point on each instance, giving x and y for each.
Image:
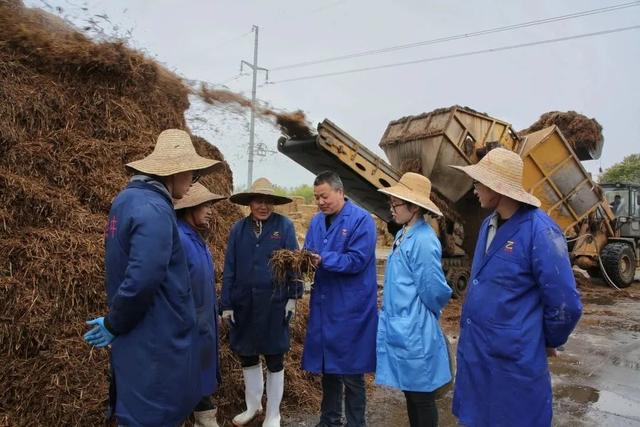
(151, 322)
(343, 317)
(521, 303)
(257, 308)
(195, 213)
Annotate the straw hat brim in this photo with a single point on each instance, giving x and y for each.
(187, 202)
(165, 166)
(497, 183)
(245, 198)
(404, 193)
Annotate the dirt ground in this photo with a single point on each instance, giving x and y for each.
(596, 379)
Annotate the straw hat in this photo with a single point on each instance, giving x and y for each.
(413, 188)
(501, 171)
(197, 195)
(261, 187)
(173, 153)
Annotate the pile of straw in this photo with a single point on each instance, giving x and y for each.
(298, 264)
(72, 113)
(584, 134)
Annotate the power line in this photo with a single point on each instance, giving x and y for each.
(460, 55)
(231, 40)
(462, 36)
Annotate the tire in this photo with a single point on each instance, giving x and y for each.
(458, 283)
(619, 262)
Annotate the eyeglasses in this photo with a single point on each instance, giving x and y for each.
(394, 206)
(476, 183)
(195, 178)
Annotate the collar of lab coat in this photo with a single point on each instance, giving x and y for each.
(267, 226)
(344, 212)
(504, 233)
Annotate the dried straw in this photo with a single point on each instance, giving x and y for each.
(72, 113)
(298, 264)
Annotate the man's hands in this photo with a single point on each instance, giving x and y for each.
(290, 309)
(227, 317)
(99, 336)
(317, 259)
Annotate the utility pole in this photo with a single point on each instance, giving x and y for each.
(255, 69)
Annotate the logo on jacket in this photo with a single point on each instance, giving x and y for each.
(509, 246)
(275, 235)
(111, 227)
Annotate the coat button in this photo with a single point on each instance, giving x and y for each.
(325, 240)
(468, 321)
(475, 281)
(257, 245)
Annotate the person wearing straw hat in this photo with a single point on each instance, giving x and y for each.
(151, 323)
(411, 347)
(343, 316)
(195, 213)
(520, 305)
(257, 308)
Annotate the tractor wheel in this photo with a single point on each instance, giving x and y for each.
(619, 262)
(458, 283)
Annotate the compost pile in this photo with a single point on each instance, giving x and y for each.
(72, 113)
(584, 134)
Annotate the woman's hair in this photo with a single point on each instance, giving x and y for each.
(422, 211)
(180, 213)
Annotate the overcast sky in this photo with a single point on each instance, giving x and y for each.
(205, 40)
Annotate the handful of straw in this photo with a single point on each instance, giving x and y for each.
(298, 264)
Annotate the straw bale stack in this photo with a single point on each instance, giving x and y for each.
(72, 113)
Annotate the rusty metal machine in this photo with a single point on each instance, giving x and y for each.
(429, 143)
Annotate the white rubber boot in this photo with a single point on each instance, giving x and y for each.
(206, 418)
(253, 389)
(275, 388)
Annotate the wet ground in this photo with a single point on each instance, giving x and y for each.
(596, 379)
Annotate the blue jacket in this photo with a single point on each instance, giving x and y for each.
(521, 299)
(258, 304)
(202, 275)
(151, 310)
(343, 316)
(411, 348)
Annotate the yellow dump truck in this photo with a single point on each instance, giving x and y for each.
(429, 143)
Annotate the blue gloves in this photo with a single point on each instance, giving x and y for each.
(99, 335)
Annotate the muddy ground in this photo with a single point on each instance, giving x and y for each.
(596, 379)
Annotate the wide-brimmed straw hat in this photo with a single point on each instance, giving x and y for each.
(173, 153)
(261, 187)
(501, 171)
(197, 195)
(413, 188)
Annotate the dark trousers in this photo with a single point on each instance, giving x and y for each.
(421, 407)
(334, 387)
(205, 404)
(275, 362)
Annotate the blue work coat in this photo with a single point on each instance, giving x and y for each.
(343, 316)
(248, 287)
(151, 310)
(202, 275)
(521, 299)
(411, 348)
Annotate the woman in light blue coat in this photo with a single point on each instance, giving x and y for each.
(411, 347)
